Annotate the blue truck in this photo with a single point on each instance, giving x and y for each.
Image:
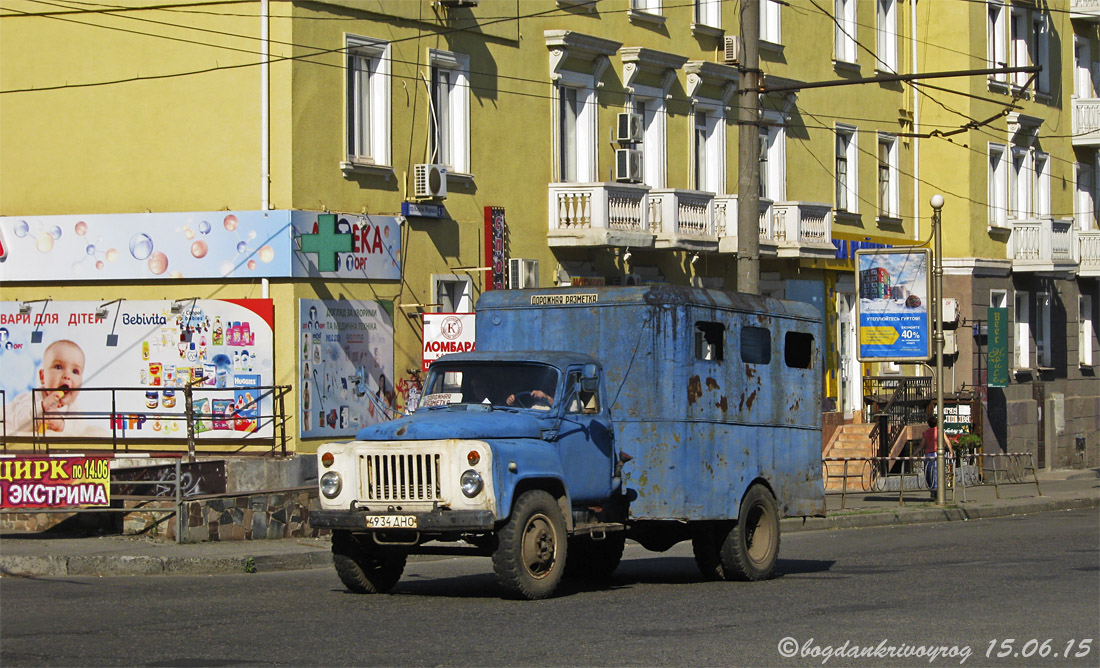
(586, 417)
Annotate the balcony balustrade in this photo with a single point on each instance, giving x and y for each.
(1042, 245)
(725, 224)
(600, 214)
(1088, 252)
(1084, 9)
(683, 219)
(803, 229)
(1086, 121)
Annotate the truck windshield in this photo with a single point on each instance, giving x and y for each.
(507, 385)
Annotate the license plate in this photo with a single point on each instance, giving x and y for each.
(391, 521)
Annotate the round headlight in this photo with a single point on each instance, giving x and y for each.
(470, 482)
(331, 484)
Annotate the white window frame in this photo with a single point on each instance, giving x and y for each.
(845, 32)
(996, 45)
(709, 13)
(771, 26)
(648, 6)
(1083, 87)
(369, 145)
(773, 151)
(1040, 33)
(1084, 201)
(886, 29)
(1021, 184)
(444, 289)
(1043, 338)
(998, 186)
(712, 141)
(654, 146)
(452, 121)
(890, 196)
(583, 143)
(998, 298)
(847, 184)
(1022, 338)
(1041, 200)
(1019, 44)
(1086, 330)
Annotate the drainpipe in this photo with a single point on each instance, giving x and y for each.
(265, 110)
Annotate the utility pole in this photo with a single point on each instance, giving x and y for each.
(748, 152)
(937, 299)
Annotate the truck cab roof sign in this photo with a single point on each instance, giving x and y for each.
(563, 300)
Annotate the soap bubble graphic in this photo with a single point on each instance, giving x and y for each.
(141, 246)
(99, 264)
(21, 229)
(55, 232)
(158, 263)
(44, 243)
(204, 227)
(242, 246)
(112, 254)
(230, 222)
(267, 253)
(90, 250)
(252, 265)
(81, 228)
(199, 249)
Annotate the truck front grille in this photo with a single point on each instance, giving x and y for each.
(401, 477)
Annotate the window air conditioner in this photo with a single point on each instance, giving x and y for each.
(430, 181)
(628, 165)
(522, 273)
(735, 50)
(629, 128)
(950, 343)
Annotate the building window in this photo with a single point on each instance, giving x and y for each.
(886, 28)
(453, 293)
(998, 298)
(1084, 205)
(652, 111)
(773, 162)
(709, 13)
(996, 48)
(368, 101)
(769, 22)
(575, 134)
(1040, 51)
(1086, 332)
(1023, 332)
(846, 31)
(647, 6)
(1019, 193)
(709, 150)
(847, 194)
(1042, 329)
(1041, 198)
(450, 104)
(888, 179)
(1082, 69)
(998, 186)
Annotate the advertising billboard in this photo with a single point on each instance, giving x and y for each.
(447, 333)
(74, 369)
(894, 305)
(345, 367)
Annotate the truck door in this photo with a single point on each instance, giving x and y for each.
(585, 442)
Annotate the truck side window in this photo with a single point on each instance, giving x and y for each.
(709, 341)
(581, 402)
(798, 350)
(756, 345)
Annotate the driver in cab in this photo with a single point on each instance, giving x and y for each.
(537, 399)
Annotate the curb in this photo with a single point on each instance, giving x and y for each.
(903, 516)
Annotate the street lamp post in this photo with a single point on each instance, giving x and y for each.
(937, 298)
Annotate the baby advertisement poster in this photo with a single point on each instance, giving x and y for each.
(345, 365)
(85, 369)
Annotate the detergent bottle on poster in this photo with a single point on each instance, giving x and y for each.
(217, 337)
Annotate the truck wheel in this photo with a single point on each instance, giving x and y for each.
(750, 550)
(707, 546)
(363, 567)
(531, 547)
(594, 559)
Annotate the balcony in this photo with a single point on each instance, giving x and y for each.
(803, 229)
(725, 225)
(683, 219)
(1084, 9)
(1088, 252)
(1042, 245)
(1086, 121)
(599, 214)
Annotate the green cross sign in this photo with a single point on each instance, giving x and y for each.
(326, 243)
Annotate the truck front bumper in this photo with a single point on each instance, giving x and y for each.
(429, 522)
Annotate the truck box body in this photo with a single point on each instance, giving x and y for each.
(708, 390)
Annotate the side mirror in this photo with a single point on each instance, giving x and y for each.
(590, 379)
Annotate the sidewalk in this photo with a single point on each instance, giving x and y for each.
(32, 555)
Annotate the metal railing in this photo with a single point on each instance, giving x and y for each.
(217, 411)
(876, 474)
(173, 485)
(894, 402)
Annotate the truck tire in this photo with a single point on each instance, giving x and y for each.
(594, 560)
(363, 567)
(529, 559)
(706, 544)
(751, 549)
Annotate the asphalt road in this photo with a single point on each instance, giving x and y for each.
(949, 588)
